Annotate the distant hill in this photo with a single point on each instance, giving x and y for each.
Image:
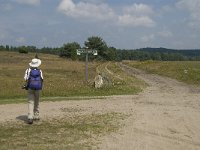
(161, 54)
(185, 52)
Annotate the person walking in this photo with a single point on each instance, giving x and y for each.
(34, 79)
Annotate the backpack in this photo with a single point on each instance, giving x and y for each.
(35, 80)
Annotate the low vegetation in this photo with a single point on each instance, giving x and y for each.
(185, 71)
(72, 133)
(62, 78)
(121, 81)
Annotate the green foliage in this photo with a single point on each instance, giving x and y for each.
(104, 52)
(48, 50)
(2, 48)
(23, 49)
(110, 53)
(7, 47)
(150, 55)
(98, 44)
(31, 48)
(69, 50)
(95, 43)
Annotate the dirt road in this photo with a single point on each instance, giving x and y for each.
(166, 116)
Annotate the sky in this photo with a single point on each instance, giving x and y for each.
(124, 24)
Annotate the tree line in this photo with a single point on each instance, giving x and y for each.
(68, 50)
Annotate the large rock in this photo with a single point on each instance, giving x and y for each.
(98, 81)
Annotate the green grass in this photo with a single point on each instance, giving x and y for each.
(185, 71)
(62, 78)
(72, 133)
(52, 99)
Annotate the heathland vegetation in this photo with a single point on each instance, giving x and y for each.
(65, 71)
(62, 77)
(184, 71)
(66, 78)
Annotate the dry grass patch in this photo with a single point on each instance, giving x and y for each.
(77, 133)
(62, 78)
(185, 71)
(119, 80)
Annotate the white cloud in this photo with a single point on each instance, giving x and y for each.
(193, 7)
(138, 9)
(128, 20)
(28, 2)
(137, 15)
(85, 10)
(133, 16)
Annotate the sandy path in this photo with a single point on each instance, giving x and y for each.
(165, 116)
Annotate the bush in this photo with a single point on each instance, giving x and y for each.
(23, 50)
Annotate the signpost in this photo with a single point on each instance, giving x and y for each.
(86, 52)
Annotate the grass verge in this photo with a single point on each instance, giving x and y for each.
(52, 99)
(185, 71)
(74, 133)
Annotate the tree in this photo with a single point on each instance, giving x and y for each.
(2, 48)
(97, 43)
(155, 56)
(111, 54)
(7, 47)
(23, 49)
(31, 48)
(69, 50)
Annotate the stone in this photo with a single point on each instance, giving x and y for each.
(98, 81)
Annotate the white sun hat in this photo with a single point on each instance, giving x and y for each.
(35, 62)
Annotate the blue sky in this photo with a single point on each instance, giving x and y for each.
(127, 24)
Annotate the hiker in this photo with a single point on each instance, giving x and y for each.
(34, 79)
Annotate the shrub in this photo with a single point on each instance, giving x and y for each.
(23, 49)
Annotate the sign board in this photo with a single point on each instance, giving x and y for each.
(86, 51)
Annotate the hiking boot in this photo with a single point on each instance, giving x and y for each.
(36, 118)
(30, 121)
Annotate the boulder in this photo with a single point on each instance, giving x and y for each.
(98, 81)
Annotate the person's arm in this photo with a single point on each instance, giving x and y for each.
(41, 75)
(26, 75)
